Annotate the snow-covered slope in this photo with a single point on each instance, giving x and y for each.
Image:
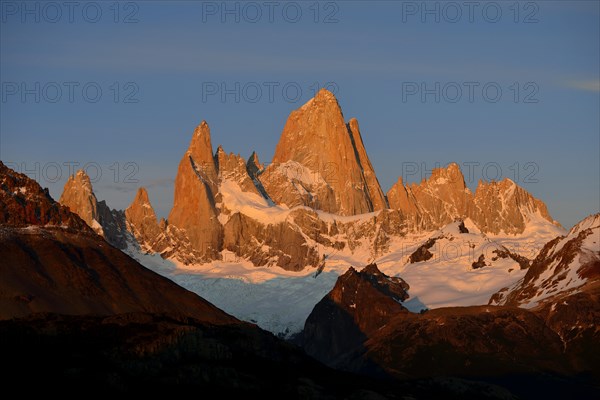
(280, 301)
(563, 266)
(455, 266)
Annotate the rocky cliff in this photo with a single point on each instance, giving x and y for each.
(320, 162)
(193, 222)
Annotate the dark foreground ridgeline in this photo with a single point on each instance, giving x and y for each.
(78, 316)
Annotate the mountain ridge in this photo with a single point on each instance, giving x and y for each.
(282, 214)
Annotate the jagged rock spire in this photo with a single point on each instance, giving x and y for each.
(79, 196)
(194, 215)
(321, 162)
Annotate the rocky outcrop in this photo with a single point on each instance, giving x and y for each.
(291, 184)
(302, 238)
(575, 317)
(360, 303)
(114, 226)
(362, 326)
(456, 245)
(23, 202)
(422, 252)
(193, 221)
(320, 162)
(255, 168)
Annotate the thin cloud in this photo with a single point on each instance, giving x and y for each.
(589, 85)
(123, 188)
(132, 187)
(161, 182)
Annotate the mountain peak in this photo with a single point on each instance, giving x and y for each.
(79, 196)
(324, 94)
(81, 175)
(202, 130)
(81, 180)
(253, 165)
(442, 197)
(200, 148)
(334, 173)
(324, 102)
(451, 174)
(453, 168)
(141, 220)
(141, 197)
(506, 207)
(194, 215)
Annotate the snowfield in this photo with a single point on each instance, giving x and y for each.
(280, 301)
(276, 300)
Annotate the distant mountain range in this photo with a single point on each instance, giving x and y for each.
(319, 195)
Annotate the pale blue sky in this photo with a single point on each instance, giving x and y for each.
(373, 54)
